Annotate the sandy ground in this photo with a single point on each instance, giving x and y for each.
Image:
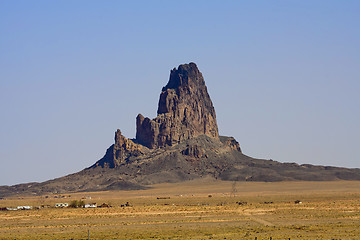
(201, 209)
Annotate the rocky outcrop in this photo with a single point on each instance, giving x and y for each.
(194, 151)
(185, 110)
(231, 143)
(120, 152)
(180, 144)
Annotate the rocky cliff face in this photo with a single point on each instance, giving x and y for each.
(185, 111)
(120, 152)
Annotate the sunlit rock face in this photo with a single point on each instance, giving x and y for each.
(185, 111)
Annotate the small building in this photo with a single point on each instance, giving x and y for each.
(12, 209)
(24, 207)
(61, 205)
(90, 205)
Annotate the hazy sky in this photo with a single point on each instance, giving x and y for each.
(284, 77)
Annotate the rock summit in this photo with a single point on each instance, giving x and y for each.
(185, 111)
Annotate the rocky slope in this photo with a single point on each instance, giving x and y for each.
(181, 143)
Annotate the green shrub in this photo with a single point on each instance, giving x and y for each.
(77, 204)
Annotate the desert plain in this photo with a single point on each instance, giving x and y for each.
(198, 209)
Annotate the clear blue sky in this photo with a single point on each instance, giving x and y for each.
(283, 76)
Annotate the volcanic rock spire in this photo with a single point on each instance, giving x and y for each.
(185, 111)
(180, 144)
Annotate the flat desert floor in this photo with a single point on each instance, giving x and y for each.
(199, 209)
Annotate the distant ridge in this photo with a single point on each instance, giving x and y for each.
(181, 143)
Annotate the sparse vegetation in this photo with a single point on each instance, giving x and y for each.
(328, 211)
(77, 204)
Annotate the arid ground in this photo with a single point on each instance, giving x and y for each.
(199, 209)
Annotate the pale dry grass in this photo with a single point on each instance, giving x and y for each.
(330, 210)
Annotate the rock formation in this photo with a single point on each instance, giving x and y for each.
(185, 111)
(120, 152)
(181, 143)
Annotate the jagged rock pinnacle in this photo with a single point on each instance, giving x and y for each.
(185, 110)
(119, 152)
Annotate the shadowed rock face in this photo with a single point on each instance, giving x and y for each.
(185, 111)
